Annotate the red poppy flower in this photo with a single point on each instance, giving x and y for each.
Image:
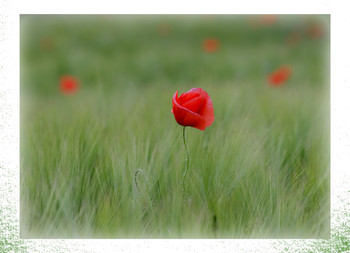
(281, 75)
(69, 85)
(211, 45)
(193, 108)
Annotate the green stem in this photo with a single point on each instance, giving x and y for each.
(187, 159)
(135, 178)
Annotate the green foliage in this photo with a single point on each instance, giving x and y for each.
(260, 171)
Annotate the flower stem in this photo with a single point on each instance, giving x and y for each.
(187, 159)
(135, 178)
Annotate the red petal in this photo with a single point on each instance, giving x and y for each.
(207, 111)
(185, 97)
(195, 104)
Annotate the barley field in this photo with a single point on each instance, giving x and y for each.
(107, 160)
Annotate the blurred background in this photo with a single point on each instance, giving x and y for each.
(96, 96)
(140, 51)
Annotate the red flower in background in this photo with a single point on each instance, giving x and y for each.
(280, 76)
(193, 108)
(315, 31)
(69, 85)
(268, 19)
(262, 21)
(211, 45)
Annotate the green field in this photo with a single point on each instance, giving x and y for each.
(260, 171)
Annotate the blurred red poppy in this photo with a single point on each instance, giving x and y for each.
(268, 19)
(315, 31)
(280, 76)
(193, 108)
(211, 45)
(69, 84)
(259, 21)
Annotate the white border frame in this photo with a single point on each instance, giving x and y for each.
(9, 123)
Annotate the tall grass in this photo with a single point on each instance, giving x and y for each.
(108, 161)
